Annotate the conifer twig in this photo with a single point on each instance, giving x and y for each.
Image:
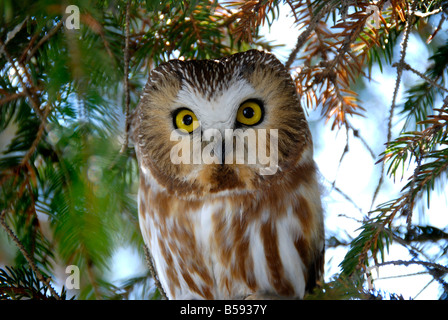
(400, 66)
(406, 66)
(126, 81)
(22, 249)
(34, 103)
(357, 134)
(11, 97)
(427, 14)
(44, 39)
(409, 207)
(431, 265)
(305, 34)
(39, 134)
(153, 272)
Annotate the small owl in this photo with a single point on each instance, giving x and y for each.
(239, 215)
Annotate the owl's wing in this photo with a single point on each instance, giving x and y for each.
(315, 271)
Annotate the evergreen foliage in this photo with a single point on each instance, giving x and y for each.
(68, 181)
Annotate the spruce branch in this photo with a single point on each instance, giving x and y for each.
(405, 66)
(97, 28)
(420, 145)
(27, 55)
(39, 135)
(34, 104)
(303, 37)
(404, 44)
(343, 194)
(400, 66)
(153, 272)
(92, 277)
(427, 14)
(437, 29)
(127, 99)
(357, 134)
(12, 97)
(409, 207)
(249, 16)
(30, 261)
(18, 283)
(431, 265)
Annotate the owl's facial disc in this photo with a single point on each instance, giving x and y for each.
(219, 156)
(187, 104)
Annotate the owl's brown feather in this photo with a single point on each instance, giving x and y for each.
(225, 231)
(229, 241)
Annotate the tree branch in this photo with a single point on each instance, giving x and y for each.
(126, 81)
(30, 261)
(150, 263)
(25, 89)
(430, 265)
(44, 39)
(404, 44)
(21, 291)
(11, 97)
(406, 66)
(305, 34)
(39, 134)
(427, 14)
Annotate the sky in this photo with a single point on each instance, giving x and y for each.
(356, 176)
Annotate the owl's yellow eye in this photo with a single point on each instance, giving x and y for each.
(185, 119)
(250, 113)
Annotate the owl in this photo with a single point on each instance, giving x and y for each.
(219, 226)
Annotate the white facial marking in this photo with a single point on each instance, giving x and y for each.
(219, 112)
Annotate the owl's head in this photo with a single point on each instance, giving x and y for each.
(201, 125)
